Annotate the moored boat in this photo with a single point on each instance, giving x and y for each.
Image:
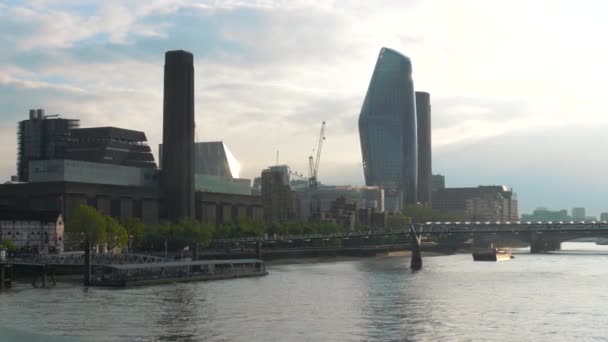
(170, 272)
(492, 254)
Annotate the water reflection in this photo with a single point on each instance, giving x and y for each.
(532, 297)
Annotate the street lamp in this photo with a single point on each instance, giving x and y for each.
(130, 239)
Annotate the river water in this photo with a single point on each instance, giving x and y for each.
(551, 297)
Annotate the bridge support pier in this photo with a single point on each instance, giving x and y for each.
(542, 246)
(87, 263)
(416, 258)
(258, 250)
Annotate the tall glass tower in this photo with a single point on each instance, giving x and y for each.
(387, 128)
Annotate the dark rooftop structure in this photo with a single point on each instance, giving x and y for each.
(110, 145)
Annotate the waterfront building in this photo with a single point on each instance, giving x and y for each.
(112, 169)
(423, 119)
(35, 231)
(482, 203)
(350, 216)
(578, 214)
(177, 175)
(388, 130)
(544, 215)
(320, 199)
(281, 203)
(124, 202)
(437, 182)
(41, 137)
(603, 216)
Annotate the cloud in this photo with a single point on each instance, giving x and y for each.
(269, 72)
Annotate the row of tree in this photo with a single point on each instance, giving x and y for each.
(88, 223)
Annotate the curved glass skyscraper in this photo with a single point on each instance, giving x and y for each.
(387, 128)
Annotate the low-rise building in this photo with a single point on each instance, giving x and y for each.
(35, 231)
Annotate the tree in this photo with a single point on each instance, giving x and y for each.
(397, 221)
(328, 227)
(88, 223)
(116, 234)
(247, 227)
(421, 214)
(7, 245)
(135, 228)
(155, 236)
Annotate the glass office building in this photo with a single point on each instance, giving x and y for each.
(64, 170)
(387, 128)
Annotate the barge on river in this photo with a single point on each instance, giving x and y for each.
(170, 272)
(492, 254)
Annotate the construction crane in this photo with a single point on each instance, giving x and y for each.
(313, 164)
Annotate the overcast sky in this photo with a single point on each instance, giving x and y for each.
(517, 87)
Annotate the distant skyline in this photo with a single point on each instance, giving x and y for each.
(516, 87)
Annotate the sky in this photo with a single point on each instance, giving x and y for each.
(517, 87)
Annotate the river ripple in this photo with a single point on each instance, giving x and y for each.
(550, 297)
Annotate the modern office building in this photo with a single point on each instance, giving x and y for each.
(578, 214)
(388, 130)
(425, 172)
(482, 203)
(110, 145)
(177, 176)
(66, 170)
(41, 137)
(437, 183)
(603, 216)
(281, 203)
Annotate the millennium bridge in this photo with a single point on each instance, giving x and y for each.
(540, 236)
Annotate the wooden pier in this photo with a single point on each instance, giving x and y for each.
(6, 276)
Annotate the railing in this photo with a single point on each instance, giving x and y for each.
(439, 228)
(77, 258)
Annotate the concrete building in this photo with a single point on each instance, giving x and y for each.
(603, 216)
(482, 203)
(425, 170)
(578, 214)
(41, 137)
(177, 176)
(281, 203)
(437, 182)
(388, 130)
(35, 231)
